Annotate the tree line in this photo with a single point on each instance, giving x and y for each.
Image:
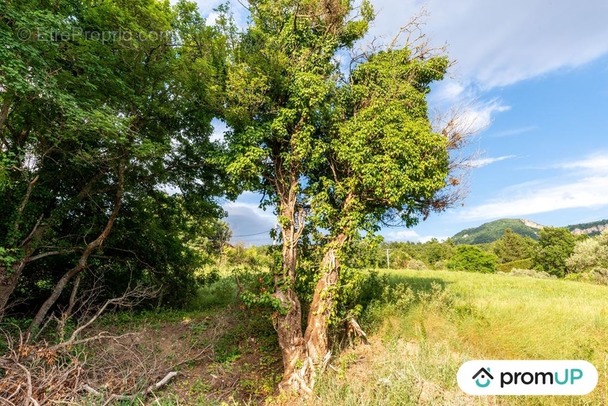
(556, 253)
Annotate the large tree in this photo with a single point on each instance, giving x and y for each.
(329, 150)
(102, 113)
(513, 247)
(555, 245)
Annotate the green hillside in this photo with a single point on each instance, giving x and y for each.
(492, 231)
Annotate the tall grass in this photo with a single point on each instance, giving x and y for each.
(429, 322)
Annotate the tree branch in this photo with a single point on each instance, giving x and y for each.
(90, 248)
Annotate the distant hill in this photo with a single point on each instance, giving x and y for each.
(492, 231)
(594, 228)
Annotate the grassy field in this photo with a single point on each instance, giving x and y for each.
(422, 335)
(424, 326)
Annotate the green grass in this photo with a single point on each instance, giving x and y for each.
(450, 317)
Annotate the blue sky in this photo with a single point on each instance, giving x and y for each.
(532, 77)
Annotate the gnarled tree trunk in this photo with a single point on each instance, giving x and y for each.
(306, 355)
(288, 323)
(9, 276)
(323, 303)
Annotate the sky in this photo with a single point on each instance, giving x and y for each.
(531, 76)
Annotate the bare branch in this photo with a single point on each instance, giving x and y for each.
(131, 298)
(28, 194)
(48, 254)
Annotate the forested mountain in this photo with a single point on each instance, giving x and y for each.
(492, 231)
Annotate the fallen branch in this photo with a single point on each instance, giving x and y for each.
(129, 299)
(114, 397)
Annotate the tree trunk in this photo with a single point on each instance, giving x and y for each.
(9, 279)
(304, 357)
(322, 305)
(8, 282)
(288, 323)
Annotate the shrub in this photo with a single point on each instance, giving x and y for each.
(599, 276)
(416, 265)
(441, 265)
(531, 273)
(473, 259)
(519, 264)
(589, 254)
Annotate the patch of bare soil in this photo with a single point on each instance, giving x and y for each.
(230, 355)
(240, 361)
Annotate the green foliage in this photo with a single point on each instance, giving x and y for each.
(490, 232)
(555, 245)
(421, 255)
(357, 290)
(385, 163)
(589, 255)
(473, 259)
(95, 123)
(513, 247)
(518, 264)
(251, 257)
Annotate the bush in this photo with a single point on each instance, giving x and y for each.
(531, 273)
(599, 276)
(589, 254)
(473, 259)
(519, 264)
(416, 265)
(441, 265)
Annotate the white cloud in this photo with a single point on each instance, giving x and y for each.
(596, 163)
(449, 91)
(583, 185)
(478, 117)
(407, 235)
(583, 193)
(514, 131)
(501, 43)
(248, 222)
(481, 162)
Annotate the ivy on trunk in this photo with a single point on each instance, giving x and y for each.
(329, 150)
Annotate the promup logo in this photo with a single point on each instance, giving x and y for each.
(483, 375)
(527, 377)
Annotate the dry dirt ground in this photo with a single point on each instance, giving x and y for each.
(227, 355)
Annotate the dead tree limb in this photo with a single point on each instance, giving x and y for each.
(84, 257)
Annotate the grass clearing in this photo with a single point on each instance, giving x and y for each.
(448, 318)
